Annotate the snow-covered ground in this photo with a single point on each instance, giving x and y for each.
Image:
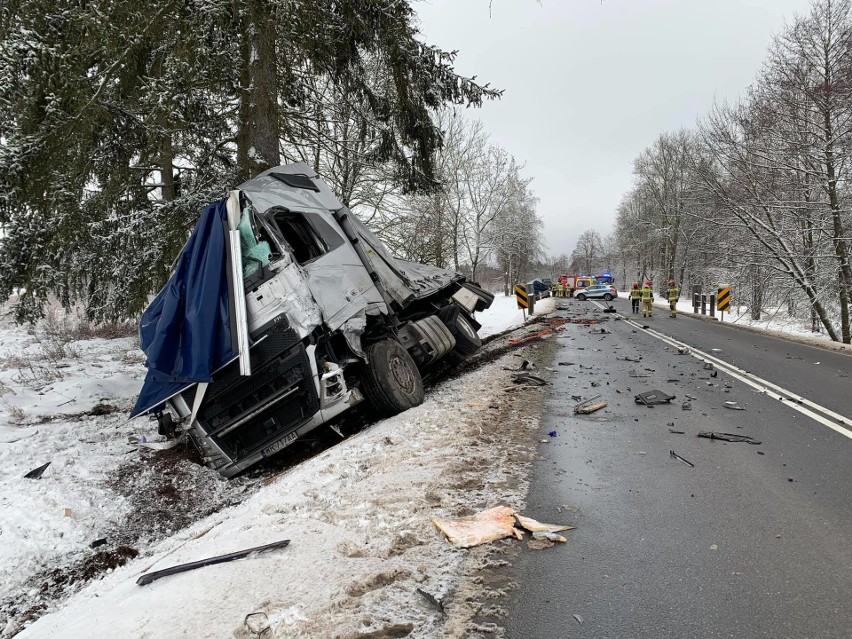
(502, 315)
(358, 515)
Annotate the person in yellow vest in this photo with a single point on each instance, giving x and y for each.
(557, 290)
(647, 300)
(635, 296)
(674, 296)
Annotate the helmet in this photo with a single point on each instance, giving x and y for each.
(635, 284)
(671, 282)
(648, 283)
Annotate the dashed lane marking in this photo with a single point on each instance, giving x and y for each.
(816, 412)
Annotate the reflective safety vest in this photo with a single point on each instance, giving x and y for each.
(674, 294)
(647, 294)
(635, 294)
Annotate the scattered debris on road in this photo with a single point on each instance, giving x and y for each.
(529, 378)
(677, 432)
(674, 455)
(587, 409)
(733, 406)
(146, 579)
(653, 398)
(728, 437)
(493, 524)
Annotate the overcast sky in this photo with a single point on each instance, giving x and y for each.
(590, 84)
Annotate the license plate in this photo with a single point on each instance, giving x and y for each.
(281, 443)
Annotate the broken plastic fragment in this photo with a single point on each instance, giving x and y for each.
(439, 605)
(534, 526)
(550, 536)
(36, 473)
(488, 525)
(728, 437)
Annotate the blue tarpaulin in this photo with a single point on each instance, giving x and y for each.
(186, 331)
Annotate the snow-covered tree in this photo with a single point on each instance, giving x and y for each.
(118, 120)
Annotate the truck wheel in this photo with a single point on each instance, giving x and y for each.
(467, 341)
(581, 297)
(391, 380)
(608, 297)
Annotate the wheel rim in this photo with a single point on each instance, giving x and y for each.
(402, 375)
(466, 328)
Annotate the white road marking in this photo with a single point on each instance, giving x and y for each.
(790, 399)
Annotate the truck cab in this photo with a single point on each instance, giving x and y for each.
(320, 315)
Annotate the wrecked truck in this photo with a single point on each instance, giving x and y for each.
(283, 311)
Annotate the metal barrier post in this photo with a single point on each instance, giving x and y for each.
(696, 294)
(713, 305)
(703, 304)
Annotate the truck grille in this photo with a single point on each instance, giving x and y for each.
(242, 414)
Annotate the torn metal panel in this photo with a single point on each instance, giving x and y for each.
(287, 294)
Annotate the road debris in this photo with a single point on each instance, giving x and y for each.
(653, 398)
(544, 534)
(146, 579)
(578, 618)
(439, 605)
(677, 432)
(728, 437)
(590, 408)
(257, 623)
(36, 473)
(529, 378)
(683, 350)
(493, 524)
(674, 455)
(534, 526)
(686, 406)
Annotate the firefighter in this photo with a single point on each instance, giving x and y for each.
(647, 300)
(557, 289)
(674, 296)
(635, 296)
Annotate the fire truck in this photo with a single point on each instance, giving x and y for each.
(574, 282)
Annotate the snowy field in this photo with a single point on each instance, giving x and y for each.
(359, 514)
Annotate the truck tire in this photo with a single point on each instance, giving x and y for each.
(390, 380)
(467, 340)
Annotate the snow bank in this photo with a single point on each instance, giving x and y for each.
(359, 520)
(504, 314)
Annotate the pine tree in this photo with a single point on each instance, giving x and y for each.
(119, 120)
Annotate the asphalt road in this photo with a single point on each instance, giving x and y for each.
(753, 541)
